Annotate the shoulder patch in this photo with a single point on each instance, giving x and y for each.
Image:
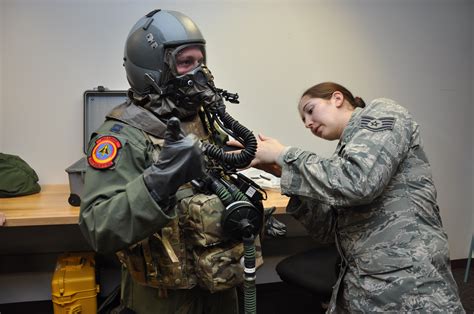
(104, 152)
(377, 124)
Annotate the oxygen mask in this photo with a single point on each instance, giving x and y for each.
(196, 88)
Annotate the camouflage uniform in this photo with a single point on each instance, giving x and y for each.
(119, 214)
(375, 198)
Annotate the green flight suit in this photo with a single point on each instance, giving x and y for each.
(376, 198)
(117, 211)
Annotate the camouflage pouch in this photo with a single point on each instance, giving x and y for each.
(161, 260)
(132, 259)
(174, 266)
(203, 223)
(219, 267)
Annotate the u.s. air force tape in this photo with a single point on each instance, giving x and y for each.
(377, 124)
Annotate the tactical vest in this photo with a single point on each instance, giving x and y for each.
(191, 250)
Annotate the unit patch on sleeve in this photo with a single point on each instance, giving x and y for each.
(377, 124)
(104, 152)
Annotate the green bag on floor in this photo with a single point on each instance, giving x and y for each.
(16, 177)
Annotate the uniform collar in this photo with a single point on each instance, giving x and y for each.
(350, 129)
(139, 118)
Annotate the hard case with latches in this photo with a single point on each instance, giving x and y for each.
(97, 103)
(73, 286)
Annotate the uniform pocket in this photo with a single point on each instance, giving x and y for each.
(382, 262)
(387, 279)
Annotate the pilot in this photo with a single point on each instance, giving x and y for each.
(141, 160)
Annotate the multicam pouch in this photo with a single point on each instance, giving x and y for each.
(161, 260)
(132, 259)
(220, 267)
(203, 224)
(217, 259)
(190, 250)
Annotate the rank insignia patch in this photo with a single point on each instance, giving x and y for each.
(104, 152)
(116, 128)
(377, 124)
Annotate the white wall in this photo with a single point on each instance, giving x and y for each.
(418, 52)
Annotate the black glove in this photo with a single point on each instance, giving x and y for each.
(273, 227)
(179, 162)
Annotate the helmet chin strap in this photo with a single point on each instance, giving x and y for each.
(153, 83)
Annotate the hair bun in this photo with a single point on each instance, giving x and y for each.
(359, 102)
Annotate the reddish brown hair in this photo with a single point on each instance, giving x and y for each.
(326, 89)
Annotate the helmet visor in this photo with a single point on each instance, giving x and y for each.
(186, 58)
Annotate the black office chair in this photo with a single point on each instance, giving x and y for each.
(315, 271)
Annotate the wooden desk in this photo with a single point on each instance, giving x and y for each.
(50, 207)
(274, 198)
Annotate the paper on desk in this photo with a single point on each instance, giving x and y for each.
(262, 178)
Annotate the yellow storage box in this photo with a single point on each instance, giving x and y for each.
(73, 287)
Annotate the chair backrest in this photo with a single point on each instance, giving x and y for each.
(315, 270)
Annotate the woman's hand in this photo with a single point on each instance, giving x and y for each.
(268, 150)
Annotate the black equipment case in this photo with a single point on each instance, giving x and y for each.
(97, 103)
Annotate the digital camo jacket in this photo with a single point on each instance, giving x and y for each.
(376, 198)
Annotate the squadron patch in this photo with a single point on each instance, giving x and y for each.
(377, 124)
(104, 152)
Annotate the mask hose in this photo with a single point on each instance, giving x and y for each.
(239, 132)
(197, 86)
